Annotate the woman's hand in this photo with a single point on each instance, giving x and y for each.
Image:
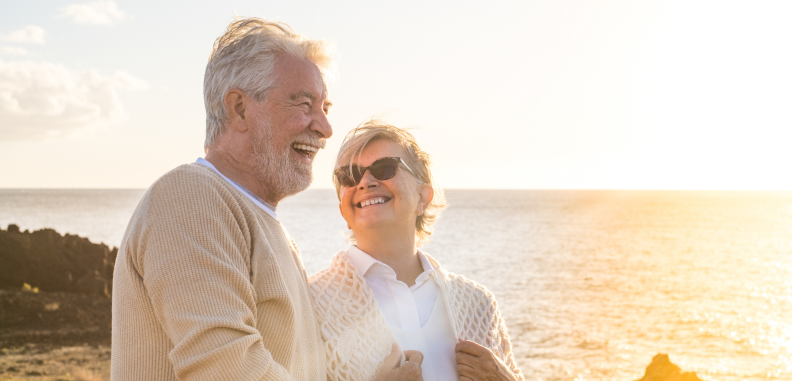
(477, 363)
(410, 371)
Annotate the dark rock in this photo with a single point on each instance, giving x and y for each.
(52, 262)
(28, 318)
(662, 369)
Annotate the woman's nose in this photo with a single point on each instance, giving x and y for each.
(368, 181)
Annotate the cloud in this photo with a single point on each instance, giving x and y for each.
(98, 12)
(43, 99)
(128, 81)
(13, 51)
(30, 34)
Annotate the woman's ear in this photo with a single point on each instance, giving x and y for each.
(426, 194)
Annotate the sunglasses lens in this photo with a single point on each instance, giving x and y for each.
(381, 169)
(385, 168)
(348, 176)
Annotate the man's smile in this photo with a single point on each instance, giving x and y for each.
(306, 150)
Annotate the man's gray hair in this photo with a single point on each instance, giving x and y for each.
(417, 159)
(244, 58)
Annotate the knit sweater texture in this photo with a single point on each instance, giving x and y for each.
(357, 338)
(208, 286)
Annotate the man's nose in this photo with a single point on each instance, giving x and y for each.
(322, 125)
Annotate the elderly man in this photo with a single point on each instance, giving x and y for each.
(208, 285)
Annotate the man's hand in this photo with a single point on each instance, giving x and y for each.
(410, 371)
(476, 363)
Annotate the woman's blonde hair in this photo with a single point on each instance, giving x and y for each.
(416, 158)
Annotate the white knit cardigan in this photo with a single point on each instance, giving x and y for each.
(357, 337)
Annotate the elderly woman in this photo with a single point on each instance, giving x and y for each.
(383, 295)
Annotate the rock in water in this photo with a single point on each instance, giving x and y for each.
(662, 369)
(52, 262)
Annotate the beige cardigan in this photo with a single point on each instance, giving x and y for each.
(208, 286)
(357, 337)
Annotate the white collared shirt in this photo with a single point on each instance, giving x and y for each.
(256, 200)
(408, 308)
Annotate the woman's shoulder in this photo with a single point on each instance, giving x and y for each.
(339, 268)
(468, 289)
(461, 286)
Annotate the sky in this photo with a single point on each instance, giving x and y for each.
(517, 95)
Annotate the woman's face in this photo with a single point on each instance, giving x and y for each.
(397, 201)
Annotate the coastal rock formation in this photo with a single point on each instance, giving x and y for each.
(54, 262)
(53, 318)
(662, 369)
(54, 335)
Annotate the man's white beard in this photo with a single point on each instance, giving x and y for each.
(282, 175)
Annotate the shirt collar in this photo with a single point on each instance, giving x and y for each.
(363, 262)
(252, 196)
(428, 270)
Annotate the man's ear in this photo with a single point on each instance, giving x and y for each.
(427, 194)
(236, 103)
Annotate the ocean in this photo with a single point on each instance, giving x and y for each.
(592, 284)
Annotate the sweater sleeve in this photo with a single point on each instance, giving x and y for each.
(193, 254)
(504, 343)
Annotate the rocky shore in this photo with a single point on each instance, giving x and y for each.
(54, 336)
(55, 306)
(54, 262)
(55, 309)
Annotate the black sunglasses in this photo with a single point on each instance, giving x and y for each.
(383, 168)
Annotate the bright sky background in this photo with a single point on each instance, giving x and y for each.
(524, 94)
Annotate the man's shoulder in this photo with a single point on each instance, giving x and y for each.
(191, 176)
(188, 189)
(190, 182)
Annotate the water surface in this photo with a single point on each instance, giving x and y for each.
(592, 284)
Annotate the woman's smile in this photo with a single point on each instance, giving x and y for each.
(376, 200)
(381, 203)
